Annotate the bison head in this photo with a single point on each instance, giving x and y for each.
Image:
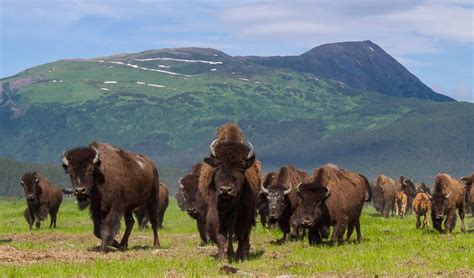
(440, 202)
(408, 187)
(230, 161)
(312, 197)
(377, 197)
(31, 186)
(277, 200)
(82, 166)
(190, 192)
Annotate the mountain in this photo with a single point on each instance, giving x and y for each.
(168, 103)
(361, 65)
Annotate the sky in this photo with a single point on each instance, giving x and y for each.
(434, 39)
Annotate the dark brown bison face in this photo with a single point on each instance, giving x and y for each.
(30, 184)
(312, 197)
(82, 165)
(190, 193)
(276, 200)
(408, 187)
(230, 161)
(439, 204)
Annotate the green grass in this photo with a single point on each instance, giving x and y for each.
(391, 247)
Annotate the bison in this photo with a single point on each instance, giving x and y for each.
(195, 202)
(384, 194)
(422, 207)
(409, 188)
(448, 195)
(422, 188)
(283, 200)
(468, 181)
(113, 182)
(401, 200)
(262, 204)
(42, 197)
(333, 197)
(141, 213)
(232, 193)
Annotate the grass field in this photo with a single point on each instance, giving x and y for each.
(391, 247)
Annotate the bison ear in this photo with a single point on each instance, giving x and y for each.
(98, 176)
(211, 161)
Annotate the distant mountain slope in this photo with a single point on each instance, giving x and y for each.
(167, 104)
(361, 65)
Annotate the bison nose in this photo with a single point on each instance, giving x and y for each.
(439, 216)
(307, 221)
(225, 190)
(191, 210)
(30, 197)
(79, 191)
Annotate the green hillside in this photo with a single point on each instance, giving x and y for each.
(169, 109)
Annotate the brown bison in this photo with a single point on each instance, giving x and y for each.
(384, 194)
(283, 200)
(422, 188)
(231, 194)
(113, 182)
(401, 200)
(142, 213)
(333, 197)
(262, 204)
(468, 181)
(422, 207)
(448, 195)
(42, 197)
(195, 203)
(409, 188)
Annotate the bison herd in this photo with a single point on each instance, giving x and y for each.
(226, 191)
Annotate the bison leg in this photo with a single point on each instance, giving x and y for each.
(350, 229)
(313, 236)
(201, 225)
(52, 224)
(129, 221)
(29, 218)
(386, 209)
(109, 228)
(450, 222)
(359, 234)
(338, 233)
(418, 221)
(425, 221)
(461, 212)
(153, 213)
(38, 223)
(243, 249)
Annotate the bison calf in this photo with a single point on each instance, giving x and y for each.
(401, 200)
(422, 207)
(42, 197)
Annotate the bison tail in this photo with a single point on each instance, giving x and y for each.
(369, 188)
(67, 191)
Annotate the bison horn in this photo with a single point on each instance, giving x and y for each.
(97, 156)
(448, 195)
(264, 190)
(328, 192)
(252, 151)
(212, 146)
(65, 161)
(180, 183)
(286, 192)
(298, 186)
(37, 180)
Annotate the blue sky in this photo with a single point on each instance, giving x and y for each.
(433, 39)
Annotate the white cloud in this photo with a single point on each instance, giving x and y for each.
(462, 92)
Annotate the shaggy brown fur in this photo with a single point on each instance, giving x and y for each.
(42, 197)
(231, 199)
(333, 197)
(422, 207)
(113, 182)
(230, 132)
(283, 200)
(468, 181)
(401, 200)
(384, 194)
(448, 195)
(142, 213)
(195, 203)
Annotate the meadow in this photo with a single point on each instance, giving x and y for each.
(391, 247)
